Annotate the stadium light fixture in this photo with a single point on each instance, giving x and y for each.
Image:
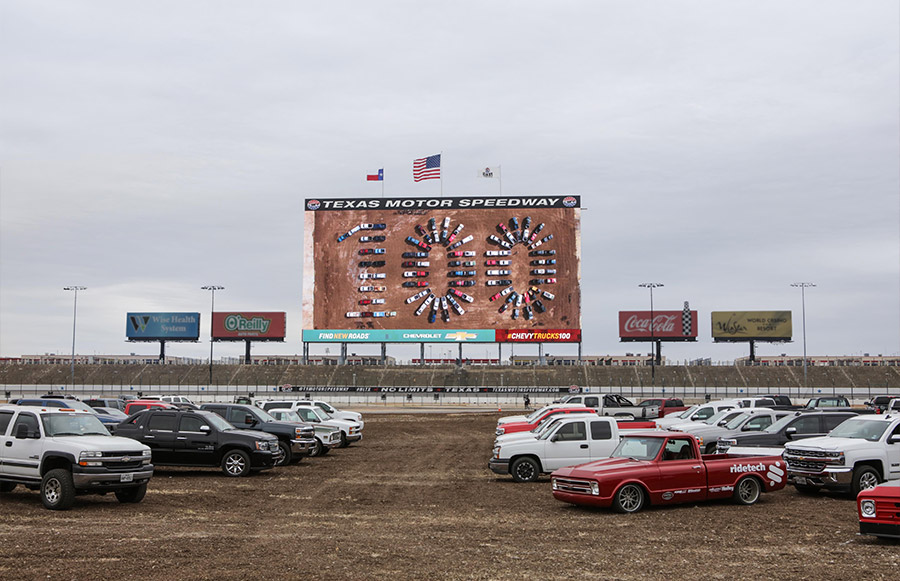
(803, 286)
(212, 288)
(75, 288)
(653, 352)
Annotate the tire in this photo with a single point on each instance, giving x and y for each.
(236, 463)
(132, 495)
(629, 499)
(58, 490)
(864, 477)
(7, 487)
(318, 449)
(525, 470)
(286, 455)
(747, 491)
(344, 441)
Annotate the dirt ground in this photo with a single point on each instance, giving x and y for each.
(337, 269)
(415, 499)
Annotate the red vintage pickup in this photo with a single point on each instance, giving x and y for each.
(879, 510)
(666, 468)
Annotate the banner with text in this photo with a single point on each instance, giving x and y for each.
(755, 325)
(162, 326)
(667, 325)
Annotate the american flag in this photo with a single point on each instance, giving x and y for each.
(427, 168)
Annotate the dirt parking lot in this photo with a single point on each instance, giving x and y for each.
(415, 499)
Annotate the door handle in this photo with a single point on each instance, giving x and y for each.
(149, 437)
(181, 438)
(9, 444)
(584, 446)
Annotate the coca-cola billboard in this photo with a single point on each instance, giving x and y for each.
(667, 325)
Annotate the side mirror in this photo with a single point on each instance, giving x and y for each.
(790, 433)
(895, 439)
(722, 423)
(21, 432)
(204, 428)
(554, 437)
(248, 419)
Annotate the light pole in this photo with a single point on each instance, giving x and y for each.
(803, 286)
(651, 286)
(75, 288)
(212, 288)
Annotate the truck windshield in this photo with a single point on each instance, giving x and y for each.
(260, 415)
(870, 430)
(73, 424)
(536, 414)
(218, 422)
(638, 448)
(714, 419)
(780, 424)
(737, 422)
(686, 413)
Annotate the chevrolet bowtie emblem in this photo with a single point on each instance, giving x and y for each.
(460, 336)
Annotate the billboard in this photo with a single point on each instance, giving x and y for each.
(162, 326)
(539, 336)
(667, 325)
(243, 325)
(441, 265)
(751, 325)
(399, 336)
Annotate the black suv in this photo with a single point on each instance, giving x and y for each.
(295, 440)
(796, 426)
(200, 438)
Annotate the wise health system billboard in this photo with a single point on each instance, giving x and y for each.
(162, 326)
(241, 325)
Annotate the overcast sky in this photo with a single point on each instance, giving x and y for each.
(724, 149)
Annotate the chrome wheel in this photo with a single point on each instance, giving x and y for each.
(236, 463)
(52, 491)
(630, 498)
(747, 491)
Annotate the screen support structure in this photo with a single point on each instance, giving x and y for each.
(162, 351)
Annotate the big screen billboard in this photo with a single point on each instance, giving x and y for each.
(162, 326)
(249, 325)
(667, 325)
(441, 265)
(772, 326)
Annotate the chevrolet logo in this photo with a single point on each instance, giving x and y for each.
(460, 336)
(126, 458)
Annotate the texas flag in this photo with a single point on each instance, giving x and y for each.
(379, 177)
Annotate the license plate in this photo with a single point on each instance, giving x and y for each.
(126, 477)
(800, 480)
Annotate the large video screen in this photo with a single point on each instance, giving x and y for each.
(500, 263)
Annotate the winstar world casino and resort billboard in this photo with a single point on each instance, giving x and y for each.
(451, 269)
(774, 326)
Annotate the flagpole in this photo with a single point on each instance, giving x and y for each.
(442, 174)
(382, 180)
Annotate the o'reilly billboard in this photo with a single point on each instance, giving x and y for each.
(246, 325)
(159, 326)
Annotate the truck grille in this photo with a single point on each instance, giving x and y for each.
(123, 460)
(573, 485)
(805, 465)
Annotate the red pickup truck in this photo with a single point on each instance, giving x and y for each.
(879, 510)
(666, 468)
(528, 425)
(666, 406)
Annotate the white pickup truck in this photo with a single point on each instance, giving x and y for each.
(566, 441)
(613, 404)
(63, 452)
(856, 455)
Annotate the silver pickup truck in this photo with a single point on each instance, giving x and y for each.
(64, 452)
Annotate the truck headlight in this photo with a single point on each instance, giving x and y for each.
(501, 431)
(595, 488)
(700, 441)
(496, 452)
(867, 508)
(553, 483)
(90, 458)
